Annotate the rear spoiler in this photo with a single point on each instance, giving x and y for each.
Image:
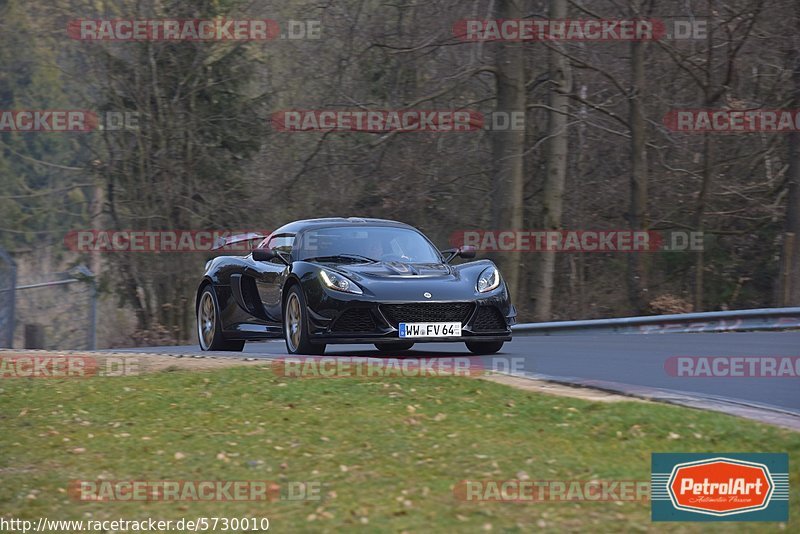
(223, 242)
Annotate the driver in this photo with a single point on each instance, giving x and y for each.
(373, 248)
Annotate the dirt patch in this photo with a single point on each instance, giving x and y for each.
(131, 363)
(550, 388)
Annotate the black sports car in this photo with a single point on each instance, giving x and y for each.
(351, 280)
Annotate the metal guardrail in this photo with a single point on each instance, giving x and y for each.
(720, 321)
(8, 281)
(77, 275)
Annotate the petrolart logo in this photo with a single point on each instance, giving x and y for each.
(720, 487)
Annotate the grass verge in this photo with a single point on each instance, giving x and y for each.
(386, 453)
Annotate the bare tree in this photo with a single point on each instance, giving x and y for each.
(790, 266)
(637, 215)
(508, 146)
(560, 78)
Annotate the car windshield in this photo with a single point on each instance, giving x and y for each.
(365, 244)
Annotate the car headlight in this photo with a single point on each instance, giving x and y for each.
(339, 282)
(488, 280)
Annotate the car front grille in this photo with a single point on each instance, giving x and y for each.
(355, 320)
(428, 312)
(489, 319)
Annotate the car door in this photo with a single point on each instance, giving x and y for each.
(272, 275)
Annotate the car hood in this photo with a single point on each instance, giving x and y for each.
(396, 269)
(391, 281)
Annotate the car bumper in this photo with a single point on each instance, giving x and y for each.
(350, 319)
(389, 339)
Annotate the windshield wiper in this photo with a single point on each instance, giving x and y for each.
(342, 256)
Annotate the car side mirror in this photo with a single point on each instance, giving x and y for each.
(264, 254)
(467, 252)
(268, 254)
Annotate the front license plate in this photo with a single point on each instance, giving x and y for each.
(430, 329)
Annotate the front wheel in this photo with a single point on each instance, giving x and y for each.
(484, 347)
(209, 326)
(295, 325)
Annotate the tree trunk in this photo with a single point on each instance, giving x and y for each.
(508, 146)
(557, 151)
(708, 167)
(637, 216)
(790, 266)
(581, 171)
(700, 208)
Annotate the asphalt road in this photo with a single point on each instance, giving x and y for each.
(613, 361)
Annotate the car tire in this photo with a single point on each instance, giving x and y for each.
(295, 325)
(484, 347)
(392, 346)
(209, 325)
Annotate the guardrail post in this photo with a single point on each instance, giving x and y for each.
(93, 313)
(788, 254)
(8, 293)
(34, 336)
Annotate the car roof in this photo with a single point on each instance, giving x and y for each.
(327, 222)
